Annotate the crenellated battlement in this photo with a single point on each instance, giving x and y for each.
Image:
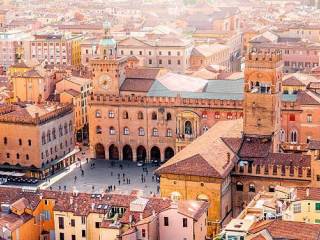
(270, 59)
(12, 114)
(274, 171)
(99, 99)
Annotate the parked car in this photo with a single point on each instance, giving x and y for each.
(140, 163)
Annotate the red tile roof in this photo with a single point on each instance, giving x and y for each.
(280, 229)
(292, 81)
(304, 193)
(136, 85)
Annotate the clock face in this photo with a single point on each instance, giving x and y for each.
(105, 81)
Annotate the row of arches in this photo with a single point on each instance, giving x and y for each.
(128, 153)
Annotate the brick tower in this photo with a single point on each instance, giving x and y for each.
(262, 95)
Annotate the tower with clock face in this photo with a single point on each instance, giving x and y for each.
(108, 70)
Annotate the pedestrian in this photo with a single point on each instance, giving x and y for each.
(119, 182)
(158, 188)
(50, 187)
(123, 175)
(123, 180)
(75, 178)
(118, 175)
(92, 187)
(129, 181)
(59, 187)
(152, 178)
(65, 187)
(114, 187)
(87, 160)
(111, 173)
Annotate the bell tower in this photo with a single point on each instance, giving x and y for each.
(108, 70)
(262, 95)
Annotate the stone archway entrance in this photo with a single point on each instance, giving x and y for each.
(141, 154)
(99, 151)
(168, 153)
(155, 153)
(127, 153)
(113, 152)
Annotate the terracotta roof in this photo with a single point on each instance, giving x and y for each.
(32, 74)
(254, 147)
(304, 193)
(258, 237)
(20, 65)
(314, 145)
(308, 98)
(136, 85)
(193, 209)
(280, 229)
(292, 81)
(143, 73)
(72, 92)
(208, 152)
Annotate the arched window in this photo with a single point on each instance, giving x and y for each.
(54, 136)
(169, 132)
(175, 196)
(217, 115)
(5, 140)
(27, 156)
(282, 135)
(140, 115)
(293, 136)
(60, 131)
(141, 131)
(43, 138)
(125, 131)
(29, 142)
(229, 115)
(18, 155)
(98, 130)
(98, 114)
(125, 115)
(49, 136)
(20, 141)
(155, 132)
(70, 126)
(239, 186)
(154, 116)
(65, 128)
(169, 116)
(112, 131)
(188, 128)
(252, 187)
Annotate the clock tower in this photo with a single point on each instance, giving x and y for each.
(108, 70)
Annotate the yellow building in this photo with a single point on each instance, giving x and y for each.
(202, 170)
(305, 207)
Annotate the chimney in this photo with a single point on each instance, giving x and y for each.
(71, 200)
(307, 192)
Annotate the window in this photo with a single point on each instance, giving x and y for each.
(155, 132)
(140, 115)
(73, 237)
(61, 236)
(169, 117)
(98, 114)
(18, 155)
(293, 136)
(169, 132)
(125, 115)
(292, 117)
(98, 130)
(27, 156)
(8, 155)
(97, 224)
(154, 116)
(112, 131)
(125, 131)
(20, 141)
(43, 138)
(271, 188)
(5, 140)
(160, 61)
(83, 233)
(143, 233)
(166, 221)
(297, 208)
(111, 114)
(252, 187)
(150, 61)
(61, 222)
(239, 187)
(169, 53)
(178, 62)
(169, 61)
(73, 223)
(185, 222)
(141, 131)
(309, 118)
(317, 206)
(217, 115)
(83, 220)
(54, 136)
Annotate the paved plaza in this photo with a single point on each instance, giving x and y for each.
(98, 177)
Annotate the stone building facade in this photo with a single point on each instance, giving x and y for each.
(36, 140)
